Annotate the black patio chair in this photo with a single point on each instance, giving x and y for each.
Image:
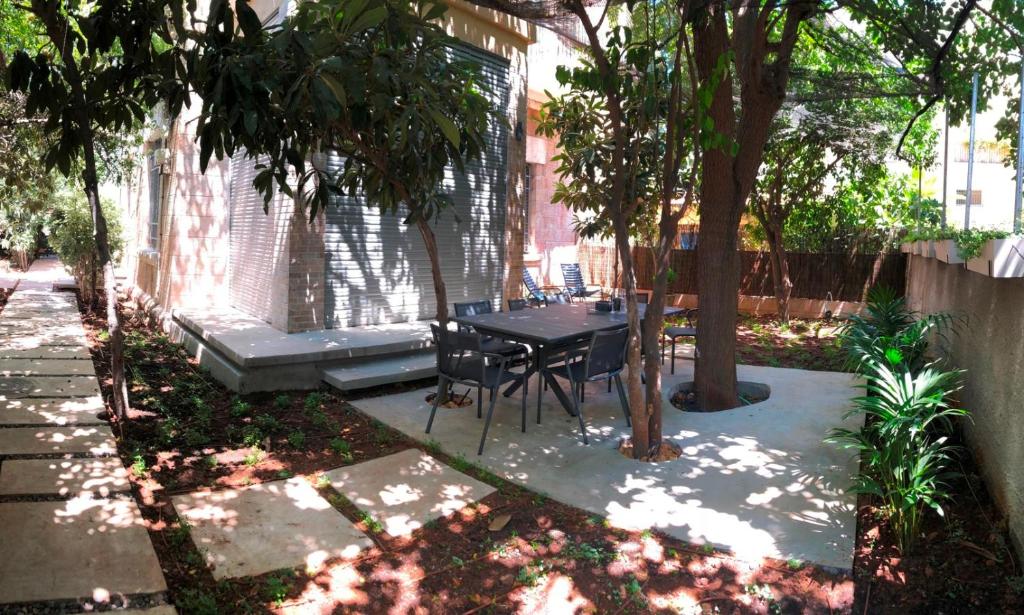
(676, 332)
(603, 359)
(574, 284)
(514, 305)
(490, 344)
(461, 359)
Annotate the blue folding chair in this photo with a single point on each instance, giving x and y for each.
(574, 283)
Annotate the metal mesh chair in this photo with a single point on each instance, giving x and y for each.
(514, 305)
(535, 294)
(603, 359)
(676, 332)
(574, 284)
(555, 298)
(489, 343)
(461, 359)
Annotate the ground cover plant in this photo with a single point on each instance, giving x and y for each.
(547, 554)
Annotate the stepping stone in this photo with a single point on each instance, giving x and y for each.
(279, 524)
(95, 441)
(59, 411)
(406, 490)
(15, 387)
(74, 549)
(25, 341)
(45, 352)
(46, 367)
(74, 477)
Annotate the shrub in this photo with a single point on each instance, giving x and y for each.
(903, 444)
(72, 238)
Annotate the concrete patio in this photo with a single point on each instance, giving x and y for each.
(757, 480)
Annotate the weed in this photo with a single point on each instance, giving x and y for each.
(297, 439)
(1016, 584)
(276, 590)
(341, 447)
(179, 535)
(794, 564)
(268, 424)
(197, 601)
(284, 474)
(138, 465)
(240, 409)
(764, 594)
(532, 573)
(587, 552)
(707, 549)
(371, 524)
(458, 561)
(254, 457)
(314, 401)
(646, 534)
(433, 446)
(211, 461)
(460, 463)
(382, 435)
(322, 481)
(283, 401)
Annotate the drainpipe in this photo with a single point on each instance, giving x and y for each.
(970, 152)
(1020, 155)
(945, 164)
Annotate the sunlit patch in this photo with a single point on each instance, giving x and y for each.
(766, 496)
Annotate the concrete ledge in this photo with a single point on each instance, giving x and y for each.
(250, 342)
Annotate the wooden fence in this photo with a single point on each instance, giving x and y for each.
(848, 277)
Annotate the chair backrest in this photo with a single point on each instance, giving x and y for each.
(472, 308)
(607, 352)
(573, 276)
(556, 298)
(531, 285)
(458, 353)
(514, 305)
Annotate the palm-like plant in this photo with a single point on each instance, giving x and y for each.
(904, 442)
(889, 331)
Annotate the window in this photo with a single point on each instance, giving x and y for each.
(985, 152)
(961, 198)
(156, 190)
(527, 179)
(276, 17)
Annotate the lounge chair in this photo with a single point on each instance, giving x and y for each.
(574, 284)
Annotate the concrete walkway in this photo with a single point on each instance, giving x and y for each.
(70, 532)
(756, 480)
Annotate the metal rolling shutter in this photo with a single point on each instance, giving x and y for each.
(377, 269)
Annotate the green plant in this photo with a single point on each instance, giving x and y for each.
(283, 401)
(71, 236)
(276, 590)
(254, 457)
(342, 447)
(240, 409)
(794, 564)
(888, 331)
(197, 601)
(314, 401)
(138, 465)
(371, 524)
(970, 241)
(903, 444)
(297, 439)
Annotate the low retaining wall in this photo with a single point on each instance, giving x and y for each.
(990, 346)
(798, 307)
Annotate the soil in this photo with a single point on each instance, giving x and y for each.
(803, 344)
(667, 451)
(750, 393)
(547, 556)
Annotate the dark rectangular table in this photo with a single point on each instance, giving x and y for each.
(550, 328)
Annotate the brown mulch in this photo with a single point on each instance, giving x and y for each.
(803, 344)
(548, 555)
(961, 564)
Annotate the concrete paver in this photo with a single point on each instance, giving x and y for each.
(15, 387)
(268, 526)
(45, 352)
(406, 490)
(47, 367)
(756, 480)
(96, 441)
(65, 477)
(43, 411)
(78, 548)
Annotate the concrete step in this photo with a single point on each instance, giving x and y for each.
(356, 375)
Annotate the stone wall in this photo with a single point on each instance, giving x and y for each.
(990, 346)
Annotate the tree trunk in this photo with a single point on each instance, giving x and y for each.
(440, 290)
(639, 412)
(100, 235)
(780, 271)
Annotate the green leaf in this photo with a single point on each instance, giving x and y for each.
(447, 127)
(336, 88)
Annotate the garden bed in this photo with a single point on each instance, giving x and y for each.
(548, 553)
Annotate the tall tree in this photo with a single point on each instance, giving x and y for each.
(99, 66)
(372, 80)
